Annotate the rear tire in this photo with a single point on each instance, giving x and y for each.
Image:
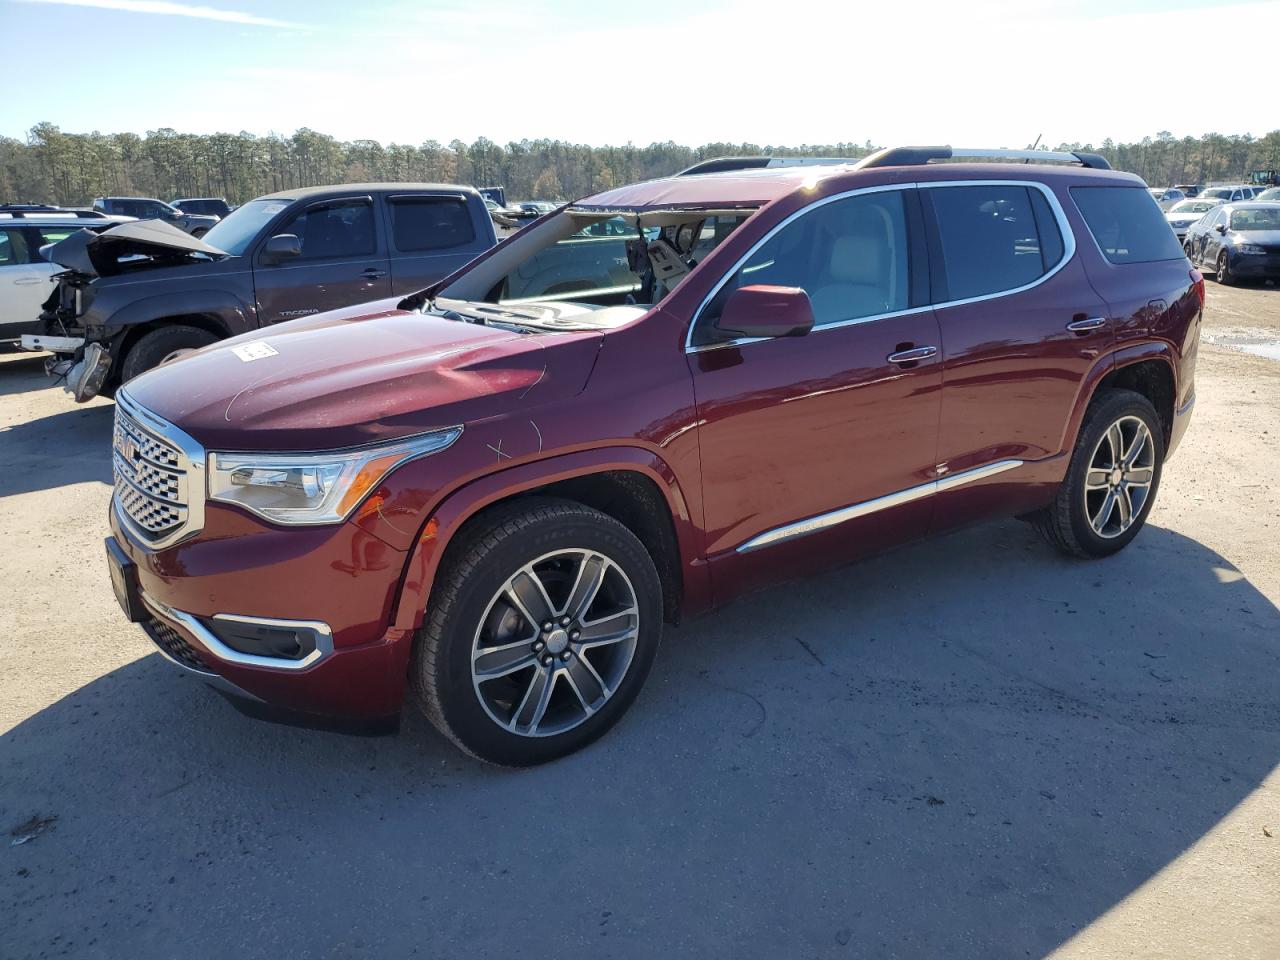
(1107, 493)
(506, 621)
(164, 343)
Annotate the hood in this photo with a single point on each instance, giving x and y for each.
(360, 375)
(100, 254)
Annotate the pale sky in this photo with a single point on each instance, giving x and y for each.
(786, 72)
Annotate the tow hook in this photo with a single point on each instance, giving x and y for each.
(83, 377)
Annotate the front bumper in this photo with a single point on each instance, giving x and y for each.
(1255, 265)
(358, 667)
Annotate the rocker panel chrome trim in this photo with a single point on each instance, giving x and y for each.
(824, 521)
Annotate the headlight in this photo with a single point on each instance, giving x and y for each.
(312, 488)
(1250, 248)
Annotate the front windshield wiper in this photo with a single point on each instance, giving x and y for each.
(459, 317)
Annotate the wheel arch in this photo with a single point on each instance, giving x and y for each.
(127, 337)
(1146, 368)
(630, 484)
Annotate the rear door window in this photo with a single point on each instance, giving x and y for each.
(430, 223)
(994, 238)
(1128, 226)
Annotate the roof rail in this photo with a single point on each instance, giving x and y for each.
(721, 164)
(912, 156)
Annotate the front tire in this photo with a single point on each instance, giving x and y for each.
(1223, 274)
(1112, 480)
(541, 629)
(161, 345)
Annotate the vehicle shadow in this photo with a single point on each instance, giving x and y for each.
(48, 452)
(970, 748)
(21, 372)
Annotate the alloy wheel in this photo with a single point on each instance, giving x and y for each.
(1119, 477)
(555, 642)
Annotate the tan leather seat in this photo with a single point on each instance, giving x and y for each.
(857, 280)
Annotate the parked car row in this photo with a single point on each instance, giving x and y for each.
(146, 208)
(1168, 196)
(489, 494)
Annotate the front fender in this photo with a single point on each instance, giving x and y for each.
(230, 312)
(448, 515)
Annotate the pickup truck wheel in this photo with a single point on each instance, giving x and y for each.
(1112, 480)
(540, 631)
(160, 345)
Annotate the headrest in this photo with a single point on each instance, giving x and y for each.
(858, 259)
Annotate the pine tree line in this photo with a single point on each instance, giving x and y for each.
(72, 168)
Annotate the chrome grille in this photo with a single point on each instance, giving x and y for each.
(156, 477)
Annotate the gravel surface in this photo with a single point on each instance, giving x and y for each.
(970, 748)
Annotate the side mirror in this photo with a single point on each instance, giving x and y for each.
(282, 246)
(1221, 228)
(766, 311)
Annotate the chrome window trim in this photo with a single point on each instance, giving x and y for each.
(1059, 215)
(1131, 263)
(193, 468)
(824, 521)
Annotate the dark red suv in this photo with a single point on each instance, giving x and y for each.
(496, 490)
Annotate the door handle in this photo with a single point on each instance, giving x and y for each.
(913, 355)
(28, 280)
(1087, 324)
(373, 273)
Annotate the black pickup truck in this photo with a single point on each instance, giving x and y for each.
(140, 293)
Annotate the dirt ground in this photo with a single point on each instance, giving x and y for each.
(980, 750)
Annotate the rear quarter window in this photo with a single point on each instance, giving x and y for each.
(431, 223)
(1128, 225)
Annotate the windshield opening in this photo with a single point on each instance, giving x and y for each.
(235, 232)
(579, 267)
(615, 261)
(1261, 218)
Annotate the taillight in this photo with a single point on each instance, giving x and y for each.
(1197, 281)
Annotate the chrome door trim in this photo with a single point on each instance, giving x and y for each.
(1059, 215)
(823, 521)
(1083, 326)
(914, 355)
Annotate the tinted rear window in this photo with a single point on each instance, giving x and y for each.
(431, 223)
(1129, 226)
(991, 241)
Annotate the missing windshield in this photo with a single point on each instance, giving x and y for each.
(615, 261)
